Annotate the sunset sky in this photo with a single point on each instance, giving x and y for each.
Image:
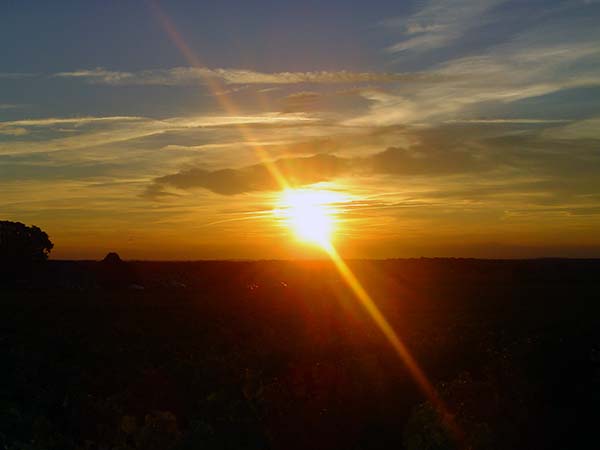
(436, 128)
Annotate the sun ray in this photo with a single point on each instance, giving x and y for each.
(217, 90)
(394, 339)
(313, 222)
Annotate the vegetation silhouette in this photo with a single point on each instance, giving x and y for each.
(278, 355)
(20, 243)
(113, 272)
(112, 258)
(23, 249)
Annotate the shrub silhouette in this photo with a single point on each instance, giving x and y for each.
(22, 244)
(112, 258)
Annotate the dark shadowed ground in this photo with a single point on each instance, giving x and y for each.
(259, 355)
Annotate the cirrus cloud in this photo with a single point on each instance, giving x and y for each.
(185, 76)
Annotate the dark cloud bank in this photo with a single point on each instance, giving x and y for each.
(451, 150)
(301, 171)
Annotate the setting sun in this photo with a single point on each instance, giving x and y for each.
(309, 214)
(292, 224)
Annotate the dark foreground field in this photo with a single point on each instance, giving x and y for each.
(259, 355)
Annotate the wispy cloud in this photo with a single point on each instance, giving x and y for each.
(519, 69)
(15, 75)
(509, 121)
(184, 76)
(438, 23)
(13, 131)
(301, 101)
(75, 121)
(5, 106)
(96, 131)
(581, 129)
(24, 126)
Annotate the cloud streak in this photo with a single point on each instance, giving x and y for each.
(82, 132)
(15, 75)
(5, 106)
(439, 23)
(519, 69)
(186, 76)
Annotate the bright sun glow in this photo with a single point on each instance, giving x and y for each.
(310, 214)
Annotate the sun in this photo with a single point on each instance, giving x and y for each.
(310, 214)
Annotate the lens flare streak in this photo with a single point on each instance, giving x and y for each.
(320, 237)
(399, 347)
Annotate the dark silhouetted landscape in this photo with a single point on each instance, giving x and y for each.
(274, 354)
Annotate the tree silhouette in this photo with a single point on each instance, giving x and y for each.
(20, 244)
